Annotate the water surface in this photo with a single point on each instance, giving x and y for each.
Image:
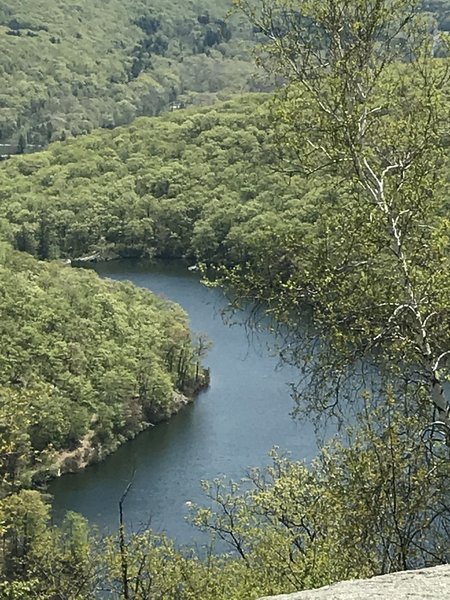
(231, 426)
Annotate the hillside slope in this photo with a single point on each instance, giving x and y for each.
(197, 182)
(85, 363)
(68, 68)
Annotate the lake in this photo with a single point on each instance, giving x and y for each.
(231, 426)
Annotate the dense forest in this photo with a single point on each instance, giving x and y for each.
(194, 183)
(82, 360)
(328, 196)
(67, 69)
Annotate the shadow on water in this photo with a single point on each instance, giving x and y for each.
(231, 426)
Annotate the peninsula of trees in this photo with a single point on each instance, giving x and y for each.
(83, 362)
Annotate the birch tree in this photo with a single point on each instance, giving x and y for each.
(365, 107)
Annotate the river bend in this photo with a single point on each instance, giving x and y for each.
(231, 426)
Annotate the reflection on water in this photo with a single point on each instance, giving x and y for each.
(231, 426)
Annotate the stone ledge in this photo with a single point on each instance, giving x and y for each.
(423, 584)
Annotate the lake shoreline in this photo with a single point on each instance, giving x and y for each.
(231, 426)
(88, 452)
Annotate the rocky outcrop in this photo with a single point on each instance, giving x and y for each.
(165, 411)
(423, 584)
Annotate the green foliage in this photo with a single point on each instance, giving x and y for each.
(67, 69)
(364, 112)
(42, 562)
(84, 364)
(375, 504)
(358, 233)
(192, 182)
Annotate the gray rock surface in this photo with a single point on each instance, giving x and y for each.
(423, 584)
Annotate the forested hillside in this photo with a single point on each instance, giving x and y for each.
(83, 363)
(202, 183)
(329, 195)
(194, 182)
(68, 68)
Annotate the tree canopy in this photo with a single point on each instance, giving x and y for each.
(326, 199)
(84, 365)
(67, 69)
(366, 106)
(196, 182)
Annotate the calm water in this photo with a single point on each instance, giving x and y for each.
(231, 426)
